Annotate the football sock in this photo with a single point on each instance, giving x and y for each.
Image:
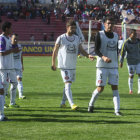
(116, 100)
(1, 104)
(13, 93)
(64, 97)
(94, 97)
(139, 84)
(69, 93)
(130, 83)
(20, 88)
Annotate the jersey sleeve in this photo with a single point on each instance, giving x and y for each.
(2, 44)
(58, 40)
(98, 45)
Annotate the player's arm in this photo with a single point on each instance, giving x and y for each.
(54, 55)
(123, 52)
(83, 52)
(97, 48)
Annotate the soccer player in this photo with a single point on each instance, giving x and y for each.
(132, 47)
(7, 71)
(66, 47)
(2, 116)
(106, 48)
(18, 64)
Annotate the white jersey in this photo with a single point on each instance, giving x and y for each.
(108, 48)
(6, 61)
(68, 50)
(17, 57)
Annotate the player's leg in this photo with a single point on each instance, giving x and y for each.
(68, 77)
(13, 81)
(101, 77)
(131, 71)
(64, 98)
(113, 80)
(138, 73)
(2, 116)
(4, 78)
(20, 84)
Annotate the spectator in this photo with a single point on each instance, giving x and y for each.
(32, 38)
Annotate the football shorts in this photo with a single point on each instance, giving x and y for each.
(68, 75)
(133, 68)
(18, 73)
(103, 74)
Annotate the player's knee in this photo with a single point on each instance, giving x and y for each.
(100, 89)
(2, 91)
(114, 87)
(19, 79)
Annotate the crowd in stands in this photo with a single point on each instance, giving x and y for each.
(79, 9)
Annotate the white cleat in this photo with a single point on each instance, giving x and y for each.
(138, 92)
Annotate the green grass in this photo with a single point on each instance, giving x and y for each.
(40, 118)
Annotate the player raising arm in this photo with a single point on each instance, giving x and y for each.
(66, 48)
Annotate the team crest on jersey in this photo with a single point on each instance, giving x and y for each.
(71, 48)
(111, 45)
(66, 77)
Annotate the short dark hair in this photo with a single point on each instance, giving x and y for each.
(15, 34)
(132, 31)
(109, 18)
(70, 23)
(5, 25)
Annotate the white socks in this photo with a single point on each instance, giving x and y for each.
(130, 83)
(64, 97)
(116, 100)
(1, 105)
(94, 97)
(13, 93)
(68, 93)
(20, 88)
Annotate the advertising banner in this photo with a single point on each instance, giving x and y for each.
(37, 50)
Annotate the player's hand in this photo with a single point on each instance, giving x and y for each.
(121, 65)
(53, 68)
(15, 50)
(91, 57)
(106, 59)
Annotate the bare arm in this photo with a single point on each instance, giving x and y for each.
(85, 53)
(13, 50)
(54, 55)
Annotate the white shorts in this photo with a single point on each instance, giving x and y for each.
(133, 68)
(18, 73)
(102, 74)
(8, 76)
(68, 75)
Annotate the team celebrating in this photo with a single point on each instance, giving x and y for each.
(66, 49)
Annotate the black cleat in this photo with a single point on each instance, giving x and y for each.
(90, 109)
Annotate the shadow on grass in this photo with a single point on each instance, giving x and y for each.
(57, 120)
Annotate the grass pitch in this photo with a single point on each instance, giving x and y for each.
(40, 118)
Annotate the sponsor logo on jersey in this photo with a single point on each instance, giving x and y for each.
(71, 48)
(112, 46)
